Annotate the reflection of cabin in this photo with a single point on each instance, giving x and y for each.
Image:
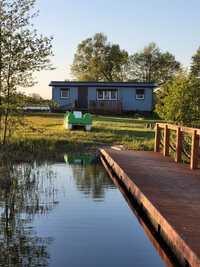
(103, 97)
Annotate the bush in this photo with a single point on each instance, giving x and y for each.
(179, 100)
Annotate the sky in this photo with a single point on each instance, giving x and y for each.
(174, 25)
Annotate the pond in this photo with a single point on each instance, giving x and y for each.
(69, 213)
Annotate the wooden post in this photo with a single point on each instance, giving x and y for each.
(157, 138)
(194, 151)
(166, 141)
(178, 156)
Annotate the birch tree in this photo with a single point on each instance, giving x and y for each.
(22, 52)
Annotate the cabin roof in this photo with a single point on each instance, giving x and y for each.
(101, 84)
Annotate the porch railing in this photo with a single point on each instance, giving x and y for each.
(105, 106)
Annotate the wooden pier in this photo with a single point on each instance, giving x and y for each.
(168, 192)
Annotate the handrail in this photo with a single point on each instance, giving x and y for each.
(183, 129)
(180, 131)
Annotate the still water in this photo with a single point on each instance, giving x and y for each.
(68, 214)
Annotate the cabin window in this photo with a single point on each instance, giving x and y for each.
(64, 93)
(107, 94)
(100, 94)
(139, 94)
(113, 95)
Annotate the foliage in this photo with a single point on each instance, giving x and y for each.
(152, 65)
(195, 66)
(98, 60)
(179, 99)
(22, 52)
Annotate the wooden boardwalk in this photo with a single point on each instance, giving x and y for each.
(168, 192)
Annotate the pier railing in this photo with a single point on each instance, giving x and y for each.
(162, 138)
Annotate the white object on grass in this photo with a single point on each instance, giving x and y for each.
(77, 114)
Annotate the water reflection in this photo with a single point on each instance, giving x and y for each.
(25, 191)
(90, 178)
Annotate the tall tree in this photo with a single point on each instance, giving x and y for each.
(98, 60)
(22, 52)
(195, 66)
(179, 99)
(152, 65)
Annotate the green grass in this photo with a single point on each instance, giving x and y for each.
(44, 133)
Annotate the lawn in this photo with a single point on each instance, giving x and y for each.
(44, 133)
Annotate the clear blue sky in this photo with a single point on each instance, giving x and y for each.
(173, 24)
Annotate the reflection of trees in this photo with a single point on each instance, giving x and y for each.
(92, 180)
(25, 191)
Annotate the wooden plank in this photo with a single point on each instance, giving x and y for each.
(169, 192)
(178, 156)
(157, 138)
(166, 141)
(161, 125)
(194, 150)
(188, 130)
(183, 129)
(172, 127)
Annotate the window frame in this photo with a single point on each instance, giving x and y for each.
(66, 90)
(106, 95)
(136, 94)
(109, 94)
(116, 91)
(99, 98)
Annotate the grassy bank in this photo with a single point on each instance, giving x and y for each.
(44, 133)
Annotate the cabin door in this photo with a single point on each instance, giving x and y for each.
(83, 97)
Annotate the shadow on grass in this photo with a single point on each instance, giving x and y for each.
(42, 149)
(123, 119)
(53, 125)
(45, 115)
(132, 133)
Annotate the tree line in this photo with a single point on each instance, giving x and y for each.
(96, 59)
(178, 94)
